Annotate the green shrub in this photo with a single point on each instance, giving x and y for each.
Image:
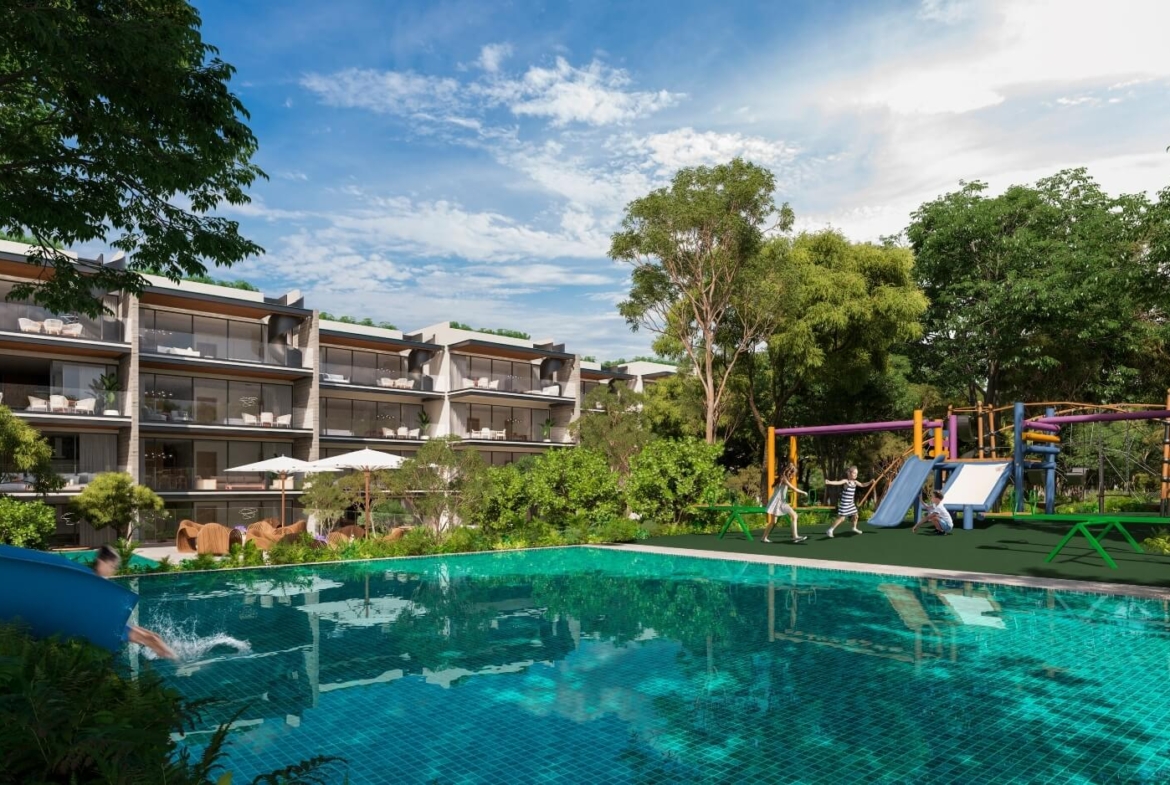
(620, 530)
(670, 476)
(69, 717)
(567, 483)
(463, 539)
(26, 524)
(1158, 544)
(417, 542)
(504, 502)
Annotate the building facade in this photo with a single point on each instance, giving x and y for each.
(179, 384)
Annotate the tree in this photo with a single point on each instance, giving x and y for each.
(670, 476)
(566, 484)
(847, 307)
(612, 423)
(25, 453)
(1053, 291)
(440, 485)
(114, 499)
(117, 125)
(25, 524)
(698, 281)
(324, 497)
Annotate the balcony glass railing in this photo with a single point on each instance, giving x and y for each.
(37, 399)
(344, 373)
(216, 346)
(19, 317)
(531, 385)
(188, 479)
(558, 435)
(187, 412)
(370, 429)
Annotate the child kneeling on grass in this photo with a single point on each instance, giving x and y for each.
(936, 514)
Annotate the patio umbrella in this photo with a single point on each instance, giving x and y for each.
(281, 467)
(367, 461)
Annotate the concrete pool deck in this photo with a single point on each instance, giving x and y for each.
(994, 552)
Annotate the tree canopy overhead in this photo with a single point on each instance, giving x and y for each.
(699, 282)
(117, 125)
(1053, 291)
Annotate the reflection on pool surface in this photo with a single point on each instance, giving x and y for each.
(591, 665)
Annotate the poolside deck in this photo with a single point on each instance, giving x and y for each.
(998, 547)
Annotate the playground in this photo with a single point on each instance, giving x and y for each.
(1015, 480)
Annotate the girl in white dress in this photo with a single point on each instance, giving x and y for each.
(779, 506)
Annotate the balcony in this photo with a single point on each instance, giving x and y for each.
(186, 479)
(512, 435)
(184, 414)
(33, 324)
(343, 375)
(225, 344)
(529, 387)
(51, 403)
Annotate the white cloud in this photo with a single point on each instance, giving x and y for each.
(687, 147)
(946, 11)
(391, 92)
(492, 56)
(292, 174)
(1017, 47)
(593, 95)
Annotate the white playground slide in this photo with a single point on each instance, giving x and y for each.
(974, 485)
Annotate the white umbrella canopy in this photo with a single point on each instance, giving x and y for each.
(282, 466)
(367, 461)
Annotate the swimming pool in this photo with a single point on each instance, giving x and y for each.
(589, 665)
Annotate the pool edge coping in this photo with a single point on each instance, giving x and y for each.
(1058, 584)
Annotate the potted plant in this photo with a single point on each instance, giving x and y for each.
(546, 429)
(424, 423)
(105, 389)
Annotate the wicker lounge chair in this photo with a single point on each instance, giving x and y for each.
(352, 530)
(292, 531)
(263, 534)
(186, 536)
(396, 533)
(213, 539)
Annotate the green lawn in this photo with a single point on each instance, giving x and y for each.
(998, 546)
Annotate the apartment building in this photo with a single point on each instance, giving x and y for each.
(185, 381)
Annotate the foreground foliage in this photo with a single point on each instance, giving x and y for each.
(25, 524)
(69, 717)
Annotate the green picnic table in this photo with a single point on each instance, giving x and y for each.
(1110, 521)
(735, 514)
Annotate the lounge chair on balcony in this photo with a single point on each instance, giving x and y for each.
(494, 384)
(186, 536)
(284, 421)
(403, 432)
(53, 326)
(36, 404)
(58, 403)
(413, 433)
(29, 325)
(213, 539)
(249, 419)
(500, 435)
(85, 406)
(336, 378)
(73, 330)
(267, 419)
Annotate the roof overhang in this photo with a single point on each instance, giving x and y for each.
(373, 342)
(214, 304)
(594, 375)
(506, 350)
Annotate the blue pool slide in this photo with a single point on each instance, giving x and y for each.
(55, 596)
(905, 490)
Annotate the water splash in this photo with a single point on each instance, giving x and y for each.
(190, 646)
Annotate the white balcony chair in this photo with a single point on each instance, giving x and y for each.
(481, 382)
(58, 403)
(37, 404)
(284, 421)
(413, 433)
(385, 381)
(389, 433)
(54, 326)
(73, 330)
(403, 432)
(29, 325)
(267, 418)
(249, 419)
(500, 435)
(494, 384)
(85, 406)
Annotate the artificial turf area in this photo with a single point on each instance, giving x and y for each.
(994, 546)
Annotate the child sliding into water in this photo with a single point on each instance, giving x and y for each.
(847, 504)
(778, 506)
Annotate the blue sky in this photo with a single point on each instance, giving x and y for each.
(469, 160)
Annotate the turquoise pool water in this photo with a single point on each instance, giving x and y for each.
(86, 557)
(589, 665)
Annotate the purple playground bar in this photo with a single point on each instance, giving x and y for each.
(1041, 425)
(857, 427)
(1162, 414)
